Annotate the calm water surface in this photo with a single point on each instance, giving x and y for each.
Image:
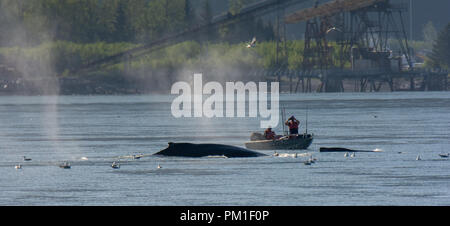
(93, 131)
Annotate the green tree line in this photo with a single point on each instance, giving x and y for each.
(87, 21)
(70, 33)
(66, 55)
(31, 22)
(440, 57)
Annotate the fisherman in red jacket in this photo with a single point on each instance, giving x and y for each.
(293, 124)
(269, 134)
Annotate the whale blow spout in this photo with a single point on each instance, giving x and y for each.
(204, 150)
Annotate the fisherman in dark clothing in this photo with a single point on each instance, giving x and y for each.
(293, 124)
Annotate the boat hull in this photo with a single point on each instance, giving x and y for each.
(300, 142)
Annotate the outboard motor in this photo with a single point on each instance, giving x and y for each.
(256, 136)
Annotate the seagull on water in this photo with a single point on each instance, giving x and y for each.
(115, 165)
(312, 160)
(65, 165)
(26, 159)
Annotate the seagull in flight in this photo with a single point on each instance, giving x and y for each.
(252, 43)
(333, 29)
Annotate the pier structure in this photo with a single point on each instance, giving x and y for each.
(417, 79)
(351, 40)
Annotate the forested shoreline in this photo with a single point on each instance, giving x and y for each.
(31, 23)
(45, 39)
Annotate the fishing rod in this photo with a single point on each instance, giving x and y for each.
(306, 119)
(283, 118)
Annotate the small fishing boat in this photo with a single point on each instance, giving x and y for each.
(444, 155)
(286, 142)
(291, 142)
(65, 165)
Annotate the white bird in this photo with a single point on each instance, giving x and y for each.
(18, 166)
(115, 165)
(312, 160)
(352, 155)
(418, 158)
(346, 154)
(252, 43)
(159, 166)
(333, 29)
(276, 154)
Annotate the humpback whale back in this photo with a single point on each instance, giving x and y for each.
(203, 150)
(324, 149)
